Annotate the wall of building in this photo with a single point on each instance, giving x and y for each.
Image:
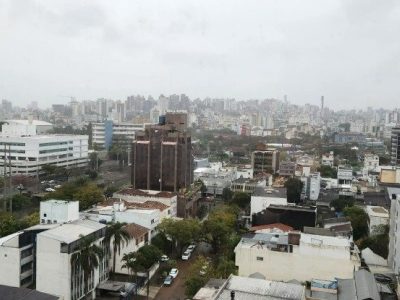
(259, 203)
(282, 266)
(10, 265)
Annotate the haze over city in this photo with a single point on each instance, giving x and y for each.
(345, 50)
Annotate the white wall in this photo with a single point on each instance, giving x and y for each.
(282, 266)
(10, 264)
(145, 218)
(59, 211)
(259, 203)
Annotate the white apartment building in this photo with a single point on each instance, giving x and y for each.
(103, 134)
(345, 176)
(394, 230)
(296, 256)
(311, 186)
(371, 162)
(328, 159)
(58, 211)
(378, 216)
(55, 273)
(29, 153)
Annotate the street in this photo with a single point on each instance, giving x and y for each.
(177, 290)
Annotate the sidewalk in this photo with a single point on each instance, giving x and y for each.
(153, 291)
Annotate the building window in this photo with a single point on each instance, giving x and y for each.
(152, 221)
(260, 258)
(45, 215)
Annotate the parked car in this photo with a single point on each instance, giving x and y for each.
(168, 280)
(164, 258)
(174, 272)
(186, 255)
(57, 186)
(191, 247)
(50, 190)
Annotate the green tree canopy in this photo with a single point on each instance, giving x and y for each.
(241, 199)
(327, 171)
(359, 221)
(294, 188)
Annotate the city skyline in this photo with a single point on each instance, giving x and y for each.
(342, 50)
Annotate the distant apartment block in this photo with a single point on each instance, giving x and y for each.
(395, 150)
(265, 160)
(328, 159)
(109, 132)
(371, 162)
(287, 168)
(349, 137)
(345, 176)
(394, 230)
(162, 155)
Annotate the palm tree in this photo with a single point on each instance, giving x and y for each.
(86, 259)
(129, 260)
(119, 236)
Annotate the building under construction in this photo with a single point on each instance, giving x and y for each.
(162, 155)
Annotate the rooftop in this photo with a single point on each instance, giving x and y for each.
(145, 193)
(270, 192)
(17, 293)
(136, 231)
(280, 226)
(70, 232)
(377, 211)
(34, 122)
(254, 288)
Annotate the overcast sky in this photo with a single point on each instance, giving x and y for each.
(346, 50)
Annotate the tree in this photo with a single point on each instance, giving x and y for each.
(181, 232)
(202, 211)
(162, 243)
(224, 268)
(359, 221)
(86, 259)
(49, 169)
(227, 194)
(8, 224)
(342, 202)
(294, 188)
(378, 242)
(117, 234)
(94, 161)
(88, 195)
(19, 202)
(148, 255)
(219, 227)
(327, 171)
(109, 191)
(196, 280)
(241, 199)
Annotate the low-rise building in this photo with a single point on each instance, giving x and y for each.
(265, 160)
(249, 185)
(328, 159)
(287, 168)
(377, 216)
(390, 175)
(371, 162)
(296, 256)
(240, 287)
(345, 176)
(262, 198)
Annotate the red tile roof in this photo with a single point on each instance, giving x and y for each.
(136, 231)
(280, 226)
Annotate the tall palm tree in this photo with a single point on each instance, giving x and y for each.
(119, 236)
(129, 260)
(86, 259)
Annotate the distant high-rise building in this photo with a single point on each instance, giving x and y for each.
(162, 155)
(396, 146)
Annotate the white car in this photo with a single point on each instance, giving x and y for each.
(57, 186)
(174, 272)
(164, 258)
(186, 255)
(191, 247)
(50, 190)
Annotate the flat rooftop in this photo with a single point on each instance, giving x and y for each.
(145, 193)
(270, 192)
(70, 232)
